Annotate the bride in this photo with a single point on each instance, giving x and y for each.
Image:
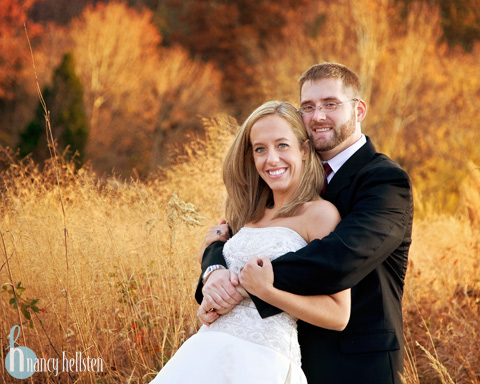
(272, 177)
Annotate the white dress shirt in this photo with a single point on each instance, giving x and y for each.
(340, 159)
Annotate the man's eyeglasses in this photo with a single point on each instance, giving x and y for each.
(329, 106)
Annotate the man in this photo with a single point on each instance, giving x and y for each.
(367, 252)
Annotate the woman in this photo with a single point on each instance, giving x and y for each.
(272, 177)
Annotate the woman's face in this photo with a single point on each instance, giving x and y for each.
(277, 154)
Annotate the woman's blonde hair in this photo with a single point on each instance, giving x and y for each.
(247, 194)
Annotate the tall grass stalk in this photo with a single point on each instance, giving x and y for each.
(131, 249)
(132, 279)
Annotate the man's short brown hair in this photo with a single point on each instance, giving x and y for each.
(321, 71)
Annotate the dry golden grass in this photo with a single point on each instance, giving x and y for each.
(442, 302)
(115, 272)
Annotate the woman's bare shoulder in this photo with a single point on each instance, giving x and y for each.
(321, 218)
(320, 207)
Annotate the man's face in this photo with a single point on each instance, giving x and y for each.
(331, 132)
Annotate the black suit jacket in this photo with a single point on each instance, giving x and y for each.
(367, 252)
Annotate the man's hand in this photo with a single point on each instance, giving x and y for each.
(219, 232)
(219, 291)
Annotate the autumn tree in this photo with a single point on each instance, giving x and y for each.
(234, 36)
(15, 64)
(33, 139)
(187, 90)
(70, 117)
(137, 94)
(67, 116)
(460, 21)
(60, 12)
(116, 50)
(421, 95)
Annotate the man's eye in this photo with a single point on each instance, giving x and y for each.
(330, 106)
(308, 108)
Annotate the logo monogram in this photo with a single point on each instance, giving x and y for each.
(20, 361)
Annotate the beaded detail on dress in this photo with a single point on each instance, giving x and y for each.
(278, 332)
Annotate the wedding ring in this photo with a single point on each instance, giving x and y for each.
(211, 310)
(219, 232)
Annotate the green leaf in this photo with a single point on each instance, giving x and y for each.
(20, 289)
(27, 314)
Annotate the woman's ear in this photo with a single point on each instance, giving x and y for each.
(306, 148)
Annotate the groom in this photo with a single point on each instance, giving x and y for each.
(367, 252)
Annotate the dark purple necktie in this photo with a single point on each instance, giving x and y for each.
(328, 170)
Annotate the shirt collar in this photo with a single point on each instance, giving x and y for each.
(340, 159)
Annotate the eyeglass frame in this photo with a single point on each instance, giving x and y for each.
(320, 107)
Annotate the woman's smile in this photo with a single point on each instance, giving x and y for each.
(277, 172)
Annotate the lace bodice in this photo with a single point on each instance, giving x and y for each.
(280, 331)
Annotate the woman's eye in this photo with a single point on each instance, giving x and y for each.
(259, 150)
(282, 145)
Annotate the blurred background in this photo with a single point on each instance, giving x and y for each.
(127, 81)
(143, 97)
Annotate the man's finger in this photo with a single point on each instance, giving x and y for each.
(232, 296)
(212, 300)
(220, 300)
(223, 293)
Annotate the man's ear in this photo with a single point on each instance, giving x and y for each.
(361, 110)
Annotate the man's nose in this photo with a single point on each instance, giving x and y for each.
(318, 114)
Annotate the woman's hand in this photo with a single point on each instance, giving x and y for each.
(257, 277)
(206, 315)
(219, 232)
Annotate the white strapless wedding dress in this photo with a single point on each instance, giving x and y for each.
(241, 347)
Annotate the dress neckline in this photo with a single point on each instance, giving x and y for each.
(275, 227)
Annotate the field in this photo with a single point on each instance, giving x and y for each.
(104, 270)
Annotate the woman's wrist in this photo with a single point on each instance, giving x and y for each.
(267, 293)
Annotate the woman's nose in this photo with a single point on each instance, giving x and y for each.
(273, 157)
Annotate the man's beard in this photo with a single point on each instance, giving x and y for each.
(339, 135)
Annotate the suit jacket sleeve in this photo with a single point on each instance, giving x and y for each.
(212, 255)
(378, 212)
